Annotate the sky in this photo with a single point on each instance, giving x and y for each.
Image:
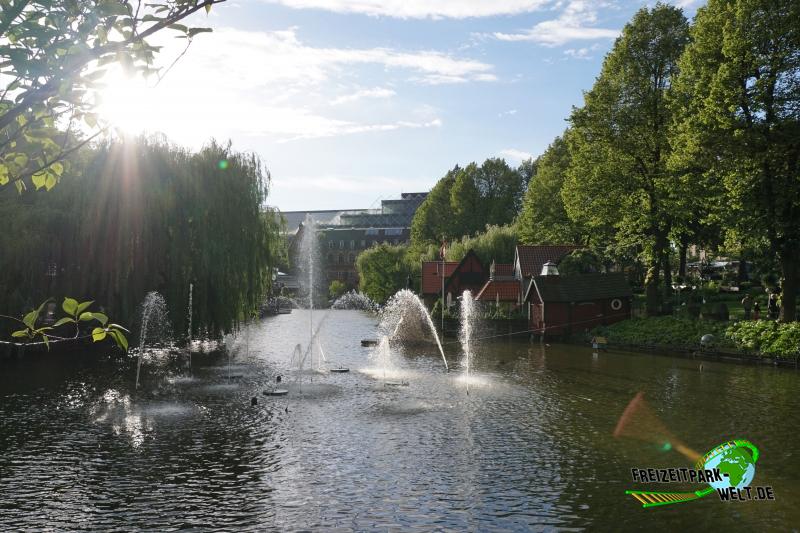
(348, 102)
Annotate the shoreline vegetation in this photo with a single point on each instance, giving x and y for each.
(766, 341)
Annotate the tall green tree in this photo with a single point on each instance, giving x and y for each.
(52, 53)
(468, 199)
(740, 120)
(618, 175)
(383, 270)
(135, 216)
(543, 218)
(433, 218)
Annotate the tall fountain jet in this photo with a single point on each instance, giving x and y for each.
(467, 326)
(154, 319)
(310, 259)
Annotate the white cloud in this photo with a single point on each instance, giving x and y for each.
(514, 155)
(581, 53)
(376, 92)
(247, 59)
(420, 8)
(573, 24)
(507, 113)
(272, 84)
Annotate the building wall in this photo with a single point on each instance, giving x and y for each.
(339, 249)
(564, 318)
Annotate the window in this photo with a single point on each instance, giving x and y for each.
(352, 245)
(330, 245)
(341, 245)
(330, 259)
(352, 258)
(393, 231)
(363, 244)
(339, 259)
(371, 231)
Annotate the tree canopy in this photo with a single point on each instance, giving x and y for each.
(618, 175)
(740, 120)
(52, 55)
(137, 216)
(468, 199)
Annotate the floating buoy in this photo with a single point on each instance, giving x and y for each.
(276, 392)
(340, 370)
(369, 342)
(254, 400)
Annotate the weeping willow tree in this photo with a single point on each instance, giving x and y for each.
(143, 215)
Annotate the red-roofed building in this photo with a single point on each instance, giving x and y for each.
(502, 287)
(529, 260)
(500, 291)
(467, 274)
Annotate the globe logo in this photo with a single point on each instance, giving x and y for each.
(735, 460)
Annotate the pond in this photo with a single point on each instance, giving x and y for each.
(527, 446)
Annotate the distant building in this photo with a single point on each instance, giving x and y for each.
(346, 233)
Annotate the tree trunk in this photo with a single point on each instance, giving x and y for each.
(651, 279)
(789, 294)
(667, 275)
(684, 246)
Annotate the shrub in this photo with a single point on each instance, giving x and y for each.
(766, 337)
(662, 331)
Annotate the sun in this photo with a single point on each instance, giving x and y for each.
(124, 102)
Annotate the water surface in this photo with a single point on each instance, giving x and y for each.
(527, 446)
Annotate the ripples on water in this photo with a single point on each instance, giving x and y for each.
(525, 445)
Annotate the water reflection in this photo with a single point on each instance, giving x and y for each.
(528, 447)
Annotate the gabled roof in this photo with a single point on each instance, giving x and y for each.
(580, 288)
(470, 254)
(532, 258)
(503, 270)
(431, 276)
(507, 289)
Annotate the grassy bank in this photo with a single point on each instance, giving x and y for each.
(762, 338)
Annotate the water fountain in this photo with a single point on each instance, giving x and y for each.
(155, 326)
(407, 309)
(356, 301)
(189, 328)
(467, 326)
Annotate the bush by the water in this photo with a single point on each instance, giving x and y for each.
(766, 338)
(662, 331)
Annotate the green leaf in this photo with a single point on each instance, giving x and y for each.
(117, 326)
(65, 320)
(39, 179)
(83, 305)
(98, 334)
(46, 340)
(3, 175)
(208, 9)
(30, 319)
(86, 316)
(50, 182)
(20, 333)
(178, 27)
(57, 167)
(194, 31)
(100, 317)
(120, 339)
(70, 306)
